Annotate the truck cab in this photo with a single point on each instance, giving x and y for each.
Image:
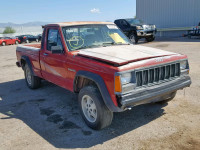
(99, 63)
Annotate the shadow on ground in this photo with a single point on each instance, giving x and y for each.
(53, 113)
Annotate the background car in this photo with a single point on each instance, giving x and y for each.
(136, 29)
(9, 41)
(28, 38)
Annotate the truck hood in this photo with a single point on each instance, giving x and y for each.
(123, 54)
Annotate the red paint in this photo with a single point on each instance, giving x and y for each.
(9, 41)
(57, 68)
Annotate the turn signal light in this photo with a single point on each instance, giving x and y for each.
(118, 87)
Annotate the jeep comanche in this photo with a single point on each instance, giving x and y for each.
(97, 61)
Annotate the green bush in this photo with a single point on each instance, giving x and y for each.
(9, 30)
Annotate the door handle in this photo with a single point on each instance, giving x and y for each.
(45, 54)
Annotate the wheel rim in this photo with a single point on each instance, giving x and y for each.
(3, 43)
(16, 42)
(132, 38)
(28, 76)
(89, 108)
(36, 40)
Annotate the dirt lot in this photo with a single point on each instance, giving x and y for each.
(48, 118)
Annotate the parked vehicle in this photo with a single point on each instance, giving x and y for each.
(99, 63)
(39, 37)
(28, 38)
(136, 29)
(9, 41)
(194, 32)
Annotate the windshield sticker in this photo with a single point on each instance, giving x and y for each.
(117, 38)
(112, 27)
(76, 42)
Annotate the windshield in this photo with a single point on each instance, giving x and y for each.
(134, 21)
(88, 36)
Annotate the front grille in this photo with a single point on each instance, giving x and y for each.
(157, 74)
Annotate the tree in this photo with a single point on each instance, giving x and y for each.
(9, 30)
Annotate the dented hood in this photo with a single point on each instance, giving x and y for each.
(123, 54)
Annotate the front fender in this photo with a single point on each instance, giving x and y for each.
(102, 88)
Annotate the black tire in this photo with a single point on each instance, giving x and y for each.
(103, 115)
(150, 39)
(133, 38)
(173, 94)
(32, 81)
(3, 43)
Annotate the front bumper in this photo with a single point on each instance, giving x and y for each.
(154, 93)
(145, 33)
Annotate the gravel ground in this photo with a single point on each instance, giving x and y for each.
(48, 118)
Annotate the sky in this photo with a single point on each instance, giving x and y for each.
(22, 11)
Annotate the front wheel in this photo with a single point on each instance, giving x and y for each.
(32, 81)
(150, 39)
(133, 37)
(93, 110)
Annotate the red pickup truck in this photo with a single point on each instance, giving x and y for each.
(109, 73)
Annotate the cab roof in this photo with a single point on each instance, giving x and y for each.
(62, 24)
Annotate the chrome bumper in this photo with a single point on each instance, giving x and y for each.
(153, 93)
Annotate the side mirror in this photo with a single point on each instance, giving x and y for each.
(56, 49)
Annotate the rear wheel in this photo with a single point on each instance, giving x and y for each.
(93, 110)
(133, 37)
(3, 43)
(32, 81)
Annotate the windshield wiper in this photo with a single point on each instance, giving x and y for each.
(106, 43)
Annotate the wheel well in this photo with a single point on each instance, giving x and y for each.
(81, 82)
(23, 62)
(132, 32)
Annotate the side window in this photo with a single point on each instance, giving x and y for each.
(53, 39)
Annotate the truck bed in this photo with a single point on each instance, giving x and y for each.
(31, 52)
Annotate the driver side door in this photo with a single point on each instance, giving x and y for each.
(54, 65)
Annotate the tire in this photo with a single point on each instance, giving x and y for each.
(16, 42)
(92, 108)
(150, 39)
(3, 43)
(133, 38)
(32, 81)
(173, 94)
(27, 41)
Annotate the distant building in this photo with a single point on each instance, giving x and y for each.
(169, 14)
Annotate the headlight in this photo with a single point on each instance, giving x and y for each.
(139, 28)
(183, 65)
(125, 78)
